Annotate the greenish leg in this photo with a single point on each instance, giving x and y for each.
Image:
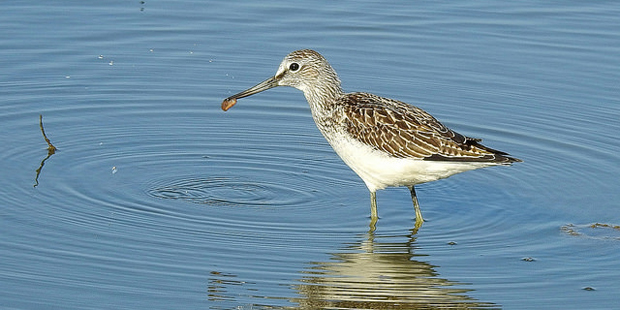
(374, 215)
(373, 205)
(418, 213)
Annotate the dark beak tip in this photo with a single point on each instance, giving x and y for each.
(228, 103)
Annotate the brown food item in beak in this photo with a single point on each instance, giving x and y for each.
(228, 103)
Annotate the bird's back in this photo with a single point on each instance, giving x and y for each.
(405, 131)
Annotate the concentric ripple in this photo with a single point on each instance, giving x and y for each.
(227, 191)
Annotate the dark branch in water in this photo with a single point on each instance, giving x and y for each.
(51, 149)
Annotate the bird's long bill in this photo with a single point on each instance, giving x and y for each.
(264, 85)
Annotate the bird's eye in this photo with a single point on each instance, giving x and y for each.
(294, 66)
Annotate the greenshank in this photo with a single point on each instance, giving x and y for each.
(385, 141)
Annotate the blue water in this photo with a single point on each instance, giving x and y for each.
(156, 199)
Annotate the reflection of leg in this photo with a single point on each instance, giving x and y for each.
(418, 213)
(374, 216)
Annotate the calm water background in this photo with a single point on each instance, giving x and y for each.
(156, 199)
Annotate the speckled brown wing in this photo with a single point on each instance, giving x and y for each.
(405, 131)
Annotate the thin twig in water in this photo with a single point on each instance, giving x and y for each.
(51, 149)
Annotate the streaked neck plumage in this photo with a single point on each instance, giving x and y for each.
(323, 95)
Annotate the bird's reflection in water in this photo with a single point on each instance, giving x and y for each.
(378, 273)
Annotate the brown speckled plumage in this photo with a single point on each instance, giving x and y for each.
(406, 131)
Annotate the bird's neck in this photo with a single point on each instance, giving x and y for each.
(322, 98)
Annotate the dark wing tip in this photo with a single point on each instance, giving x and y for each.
(457, 147)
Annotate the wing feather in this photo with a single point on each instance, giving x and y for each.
(406, 131)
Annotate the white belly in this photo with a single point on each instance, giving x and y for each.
(378, 170)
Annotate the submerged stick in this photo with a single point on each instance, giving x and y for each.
(51, 149)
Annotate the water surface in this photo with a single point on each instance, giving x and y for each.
(157, 199)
